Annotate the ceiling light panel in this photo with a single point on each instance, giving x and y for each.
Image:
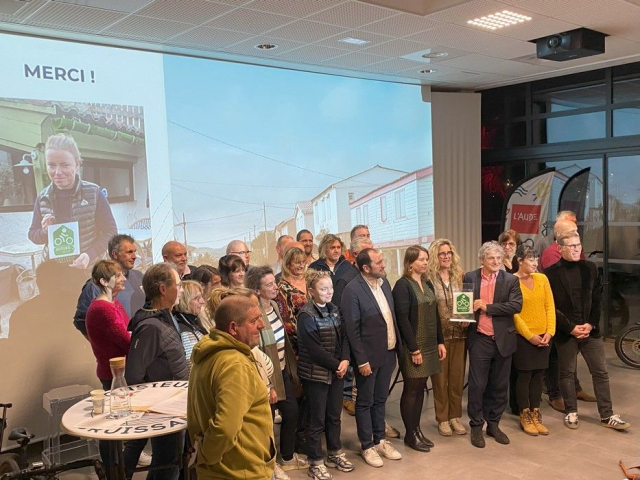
(188, 11)
(373, 39)
(497, 20)
(74, 18)
(352, 14)
(249, 21)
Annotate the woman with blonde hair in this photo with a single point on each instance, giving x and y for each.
(190, 304)
(292, 291)
(69, 199)
(421, 334)
(445, 273)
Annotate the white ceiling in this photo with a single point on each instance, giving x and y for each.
(307, 33)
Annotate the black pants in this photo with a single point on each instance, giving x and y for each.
(488, 382)
(371, 401)
(289, 411)
(551, 375)
(529, 388)
(165, 450)
(325, 407)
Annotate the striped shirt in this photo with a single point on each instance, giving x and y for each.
(279, 333)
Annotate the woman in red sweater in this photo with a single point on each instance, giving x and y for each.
(107, 320)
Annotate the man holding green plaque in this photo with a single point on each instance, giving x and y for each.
(491, 342)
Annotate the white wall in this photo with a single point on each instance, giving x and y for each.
(455, 120)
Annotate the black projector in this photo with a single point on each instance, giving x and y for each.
(578, 43)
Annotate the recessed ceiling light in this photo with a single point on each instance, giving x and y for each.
(426, 71)
(435, 55)
(498, 20)
(266, 46)
(354, 41)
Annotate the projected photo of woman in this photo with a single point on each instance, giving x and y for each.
(68, 198)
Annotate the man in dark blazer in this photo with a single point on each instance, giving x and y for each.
(368, 310)
(491, 342)
(577, 292)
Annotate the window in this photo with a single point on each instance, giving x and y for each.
(327, 207)
(365, 215)
(115, 178)
(399, 204)
(359, 215)
(383, 209)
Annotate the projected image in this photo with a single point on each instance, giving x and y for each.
(72, 175)
(257, 153)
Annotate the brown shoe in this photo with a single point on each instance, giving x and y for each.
(557, 404)
(536, 416)
(349, 406)
(585, 397)
(526, 422)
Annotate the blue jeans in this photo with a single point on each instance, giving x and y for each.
(371, 400)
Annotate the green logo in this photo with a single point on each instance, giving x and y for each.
(462, 303)
(64, 242)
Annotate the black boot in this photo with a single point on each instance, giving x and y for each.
(412, 439)
(424, 439)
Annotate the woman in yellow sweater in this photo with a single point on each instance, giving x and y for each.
(535, 324)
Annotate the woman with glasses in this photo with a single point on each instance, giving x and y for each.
(232, 270)
(536, 325)
(292, 291)
(445, 273)
(189, 306)
(323, 362)
(423, 345)
(510, 240)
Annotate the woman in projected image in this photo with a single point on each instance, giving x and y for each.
(68, 198)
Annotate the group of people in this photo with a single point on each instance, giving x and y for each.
(260, 342)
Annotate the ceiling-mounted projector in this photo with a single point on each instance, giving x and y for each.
(578, 43)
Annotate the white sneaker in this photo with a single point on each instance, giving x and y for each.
(444, 429)
(457, 427)
(372, 457)
(296, 463)
(386, 450)
(571, 420)
(144, 460)
(279, 474)
(277, 418)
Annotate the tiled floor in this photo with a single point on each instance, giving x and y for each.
(591, 452)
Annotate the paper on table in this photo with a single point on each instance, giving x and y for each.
(176, 405)
(143, 400)
(104, 422)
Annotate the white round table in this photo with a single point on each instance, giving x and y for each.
(158, 408)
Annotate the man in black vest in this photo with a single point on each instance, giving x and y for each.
(577, 292)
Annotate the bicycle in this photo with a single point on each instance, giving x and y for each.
(15, 466)
(627, 345)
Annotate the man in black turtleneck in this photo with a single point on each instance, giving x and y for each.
(577, 291)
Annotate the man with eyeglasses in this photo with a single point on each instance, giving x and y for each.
(550, 256)
(239, 248)
(577, 292)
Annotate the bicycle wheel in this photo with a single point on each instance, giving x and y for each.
(628, 346)
(9, 464)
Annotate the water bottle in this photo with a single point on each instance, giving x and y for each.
(119, 399)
